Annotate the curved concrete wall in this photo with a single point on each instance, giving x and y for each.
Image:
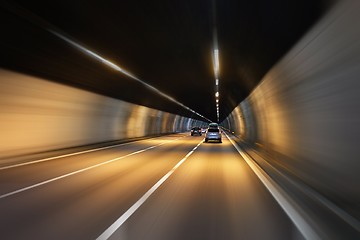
(38, 115)
(306, 111)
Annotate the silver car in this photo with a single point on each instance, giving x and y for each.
(213, 134)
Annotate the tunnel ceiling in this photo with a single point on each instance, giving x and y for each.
(167, 44)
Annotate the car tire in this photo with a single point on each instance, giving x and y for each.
(206, 140)
(192, 134)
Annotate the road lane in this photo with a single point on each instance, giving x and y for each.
(120, 221)
(15, 177)
(212, 195)
(80, 206)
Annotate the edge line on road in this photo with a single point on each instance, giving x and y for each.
(82, 170)
(117, 224)
(279, 195)
(71, 154)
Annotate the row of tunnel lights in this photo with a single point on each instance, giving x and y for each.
(216, 72)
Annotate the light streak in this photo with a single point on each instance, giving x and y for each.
(121, 70)
(216, 63)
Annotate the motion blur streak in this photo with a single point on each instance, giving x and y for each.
(31, 17)
(39, 116)
(280, 196)
(303, 118)
(92, 54)
(117, 68)
(300, 125)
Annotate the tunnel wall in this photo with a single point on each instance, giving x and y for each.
(38, 115)
(305, 113)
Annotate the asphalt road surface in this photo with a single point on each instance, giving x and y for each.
(170, 187)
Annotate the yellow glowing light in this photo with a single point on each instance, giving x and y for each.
(216, 62)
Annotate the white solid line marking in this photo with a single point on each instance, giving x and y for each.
(117, 224)
(72, 154)
(280, 196)
(82, 170)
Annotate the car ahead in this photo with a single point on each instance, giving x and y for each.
(213, 134)
(203, 129)
(196, 131)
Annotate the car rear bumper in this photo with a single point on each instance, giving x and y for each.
(216, 139)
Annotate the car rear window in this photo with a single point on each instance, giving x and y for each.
(213, 130)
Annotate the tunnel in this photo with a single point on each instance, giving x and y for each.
(98, 98)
